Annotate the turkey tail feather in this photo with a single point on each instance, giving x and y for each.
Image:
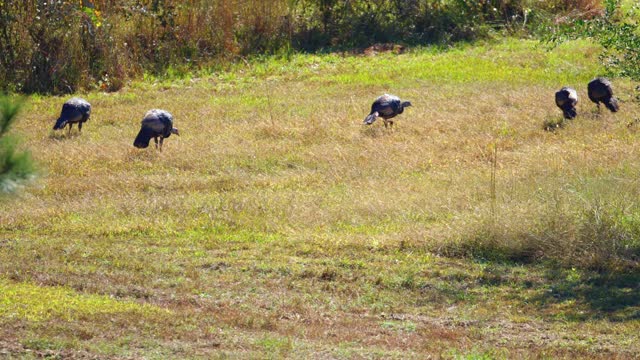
(143, 138)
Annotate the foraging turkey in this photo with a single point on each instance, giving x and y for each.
(387, 107)
(156, 124)
(600, 91)
(74, 111)
(566, 99)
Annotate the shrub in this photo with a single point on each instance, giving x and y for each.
(616, 31)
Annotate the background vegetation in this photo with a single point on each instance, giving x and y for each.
(618, 32)
(15, 164)
(62, 46)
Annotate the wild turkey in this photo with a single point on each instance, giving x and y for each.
(600, 91)
(156, 124)
(74, 111)
(566, 99)
(387, 107)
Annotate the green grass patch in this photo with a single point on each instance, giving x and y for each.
(37, 303)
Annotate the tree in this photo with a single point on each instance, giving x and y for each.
(15, 166)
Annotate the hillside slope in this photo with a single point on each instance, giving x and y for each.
(278, 225)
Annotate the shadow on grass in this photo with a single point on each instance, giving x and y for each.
(63, 135)
(571, 294)
(611, 296)
(563, 281)
(372, 131)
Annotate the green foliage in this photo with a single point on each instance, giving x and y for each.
(15, 165)
(617, 32)
(8, 113)
(61, 46)
(360, 23)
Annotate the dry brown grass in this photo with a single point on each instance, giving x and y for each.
(277, 224)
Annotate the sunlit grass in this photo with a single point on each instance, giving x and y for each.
(278, 225)
(37, 303)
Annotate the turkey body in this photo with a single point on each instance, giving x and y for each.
(566, 100)
(156, 124)
(387, 107)
(600, 91)
(74, 111)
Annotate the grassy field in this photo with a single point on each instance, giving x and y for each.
(278, 226)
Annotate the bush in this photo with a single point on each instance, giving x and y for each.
(617, 32)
